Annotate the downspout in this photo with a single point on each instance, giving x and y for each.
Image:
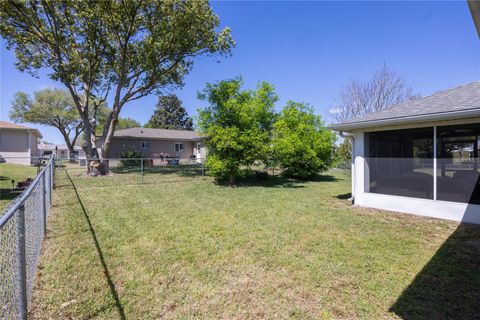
(352, 138)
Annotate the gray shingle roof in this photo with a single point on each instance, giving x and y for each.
(148, 133)
(455, 103)
(9, 125)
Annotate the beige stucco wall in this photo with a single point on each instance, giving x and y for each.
(14, 146)
(156, 147)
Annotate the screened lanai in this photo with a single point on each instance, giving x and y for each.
(421, 156)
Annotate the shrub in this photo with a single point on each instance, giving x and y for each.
(301, 143)
(238, 124)
(130, 158)
(343, 154)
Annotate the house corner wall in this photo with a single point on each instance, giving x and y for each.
(358, 174)
(15, 146)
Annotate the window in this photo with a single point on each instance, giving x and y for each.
(457, 163)
(400, 162)
(145, 144)
(179, 147)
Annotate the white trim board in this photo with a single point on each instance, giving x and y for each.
(455, 211)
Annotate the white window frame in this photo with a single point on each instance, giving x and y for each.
(145, 144)
(181, 147)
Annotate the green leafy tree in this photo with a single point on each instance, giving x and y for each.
(301, 143)
(102, 115)
(343, 153)
(125, 123)
(170, 114)
(128, 48)
(238, 124)
(50, 107)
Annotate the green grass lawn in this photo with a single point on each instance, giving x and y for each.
(182, 247)
(9, 172)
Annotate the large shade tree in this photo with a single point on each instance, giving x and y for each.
(170, 114)
(54, 107)
(50, 107)
(127, 48)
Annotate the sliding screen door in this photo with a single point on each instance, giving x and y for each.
(457, 163)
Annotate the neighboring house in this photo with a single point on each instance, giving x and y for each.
(18, 143)
(60, 151)
(420, 157)
(154, 143)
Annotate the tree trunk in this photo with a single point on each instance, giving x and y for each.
(71, 152)
(107, 136)
(89, 145)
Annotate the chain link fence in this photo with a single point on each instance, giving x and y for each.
(22, 230)
(145, 171)
(135, 171)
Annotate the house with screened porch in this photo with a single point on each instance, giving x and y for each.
(420, 157)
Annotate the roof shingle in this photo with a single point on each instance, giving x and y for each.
(452, 101)
(158, 134)
(10, 125)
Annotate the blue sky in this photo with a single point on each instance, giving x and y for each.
(308, 50)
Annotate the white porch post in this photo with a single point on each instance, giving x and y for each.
(361, 183)
(435, 163)
(352, 141)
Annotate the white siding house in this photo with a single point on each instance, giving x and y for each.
(420, 157)
(18, 144)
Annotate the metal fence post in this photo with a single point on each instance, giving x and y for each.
(44, 204)
(141, 170)
(203, 170)
(52, 177)
(22, 263)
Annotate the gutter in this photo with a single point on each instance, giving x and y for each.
(474, 6)
(452, 115)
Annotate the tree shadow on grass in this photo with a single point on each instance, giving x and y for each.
(182, 170)
(448, 287)
(344, 196)
(276, 181)
(111, 285)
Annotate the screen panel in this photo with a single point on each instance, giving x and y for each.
(457, 163)
(400, 162)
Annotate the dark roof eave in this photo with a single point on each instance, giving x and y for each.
(454, 115)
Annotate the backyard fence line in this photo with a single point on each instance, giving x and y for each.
(139, 166)
(153, 170)
(23, 225)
